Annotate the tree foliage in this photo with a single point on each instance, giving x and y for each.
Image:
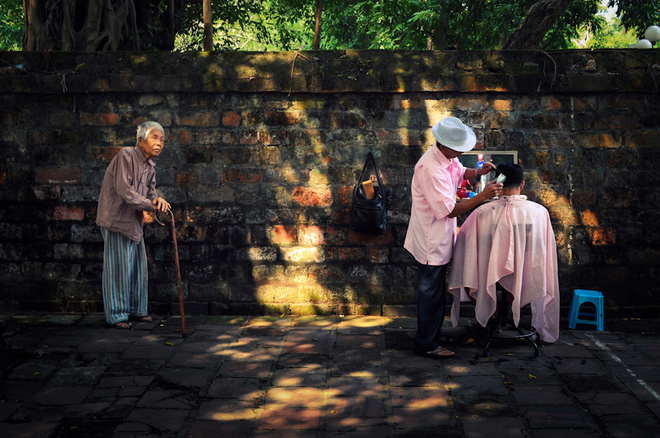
(424, 24)
(96, 25)
(639, 14)
(11, 24)
(612, 35)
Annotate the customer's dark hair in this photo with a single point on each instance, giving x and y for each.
(513, 173)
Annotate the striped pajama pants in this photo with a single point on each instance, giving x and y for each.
(125, 277)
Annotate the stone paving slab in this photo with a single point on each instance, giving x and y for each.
(71, 375)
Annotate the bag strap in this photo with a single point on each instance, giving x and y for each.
(370, 160)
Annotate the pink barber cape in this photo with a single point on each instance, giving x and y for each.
(509, 241)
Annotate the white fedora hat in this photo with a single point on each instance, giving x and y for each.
(451, 132)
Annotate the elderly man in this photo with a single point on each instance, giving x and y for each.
(129, 188)
(432, 228)
(508, 244)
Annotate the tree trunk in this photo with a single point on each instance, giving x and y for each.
(317, 30)
(99, 25)
(207, 42)
(541, 17)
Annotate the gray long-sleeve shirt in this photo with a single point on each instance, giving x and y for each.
(129, 186)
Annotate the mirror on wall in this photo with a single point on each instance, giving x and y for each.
(473, 159)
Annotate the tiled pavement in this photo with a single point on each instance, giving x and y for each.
(68, 375)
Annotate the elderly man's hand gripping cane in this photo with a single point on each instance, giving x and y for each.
(160, 204)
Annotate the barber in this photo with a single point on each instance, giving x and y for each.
(129, 188)
(432, 227)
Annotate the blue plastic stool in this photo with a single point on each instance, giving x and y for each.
(581, 296)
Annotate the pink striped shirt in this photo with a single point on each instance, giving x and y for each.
(431, 233)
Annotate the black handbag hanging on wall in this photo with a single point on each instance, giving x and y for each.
(369, 215)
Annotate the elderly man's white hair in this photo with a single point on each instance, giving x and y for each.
(144, 128)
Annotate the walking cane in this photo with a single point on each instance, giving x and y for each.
(178, 271)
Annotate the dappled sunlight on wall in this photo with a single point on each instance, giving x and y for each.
(259, 168)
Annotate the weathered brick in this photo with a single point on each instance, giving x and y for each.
(282, 235)
(346, 253)
(311, 309)
(646, 256)
(269, 156)
(200, 118)
(598, 140)
(341, 216)
(550, 140)
(78, 193)
(503, 105)
(62, 118)
(266, 273)
(379, 255)
(67, 213)
(550, 103)
(643, 139)
(214, 137)
(312, 197)
(47, 192)
(66, 251)
(99, 119)
(589, 218)
(318, 177)
(546, 121)
(150, 100)
(249, 176)
(618, 122)
(310, 235)
(303, 254)
(104, 154)
(265, 254)
(199, 154)
(582, 197)
(186, 178)
(626, 103)
(231, 119)
(298, 274)
(249, 137)
(61, 175)
(11, 252)
(603, 236)
(592, 83)
(356, 238)
(8, 118)
(483, 83)
(236, 155)
(180, 136)
(277, 293)
(616, 197)
(560, 208)
(344, 196)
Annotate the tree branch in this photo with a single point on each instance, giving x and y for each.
(541, 17)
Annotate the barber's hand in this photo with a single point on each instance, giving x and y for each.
(490, 166)
(161, 205)
(492, 189)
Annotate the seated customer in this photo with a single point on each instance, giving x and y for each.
(508, 241)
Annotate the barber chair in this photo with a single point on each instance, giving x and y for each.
(496, 330)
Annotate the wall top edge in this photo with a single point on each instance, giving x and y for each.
(366, 71)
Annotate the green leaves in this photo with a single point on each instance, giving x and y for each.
(11, 24)
(270, 25)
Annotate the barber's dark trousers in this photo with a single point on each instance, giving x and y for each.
(431, 290)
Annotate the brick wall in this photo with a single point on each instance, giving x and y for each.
(262, 151)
